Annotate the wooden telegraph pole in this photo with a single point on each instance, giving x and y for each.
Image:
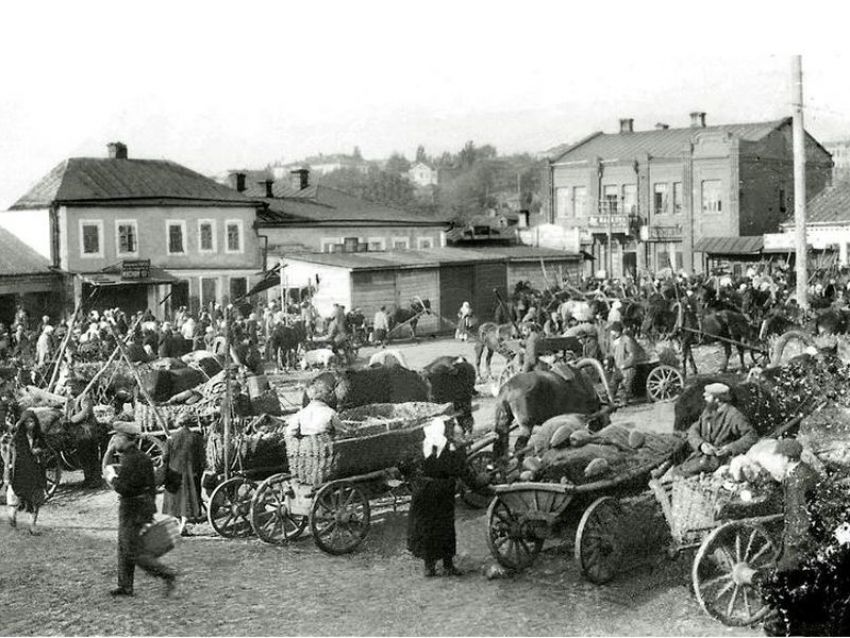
(799, 181)
(228, 394)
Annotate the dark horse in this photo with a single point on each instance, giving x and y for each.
(284, 340)
(410, 315)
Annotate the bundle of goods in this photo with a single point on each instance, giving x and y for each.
(566, 451)
(809, 377)
(259, 451)
(379, 437)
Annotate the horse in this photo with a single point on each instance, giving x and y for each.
(490, 338)
(410, 315)
(284, 341)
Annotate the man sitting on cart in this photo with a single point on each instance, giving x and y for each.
(721, 432)
(317, 417)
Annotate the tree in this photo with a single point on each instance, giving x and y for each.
(397, 163)
(421, 156)
(355, 154)
(388, 188)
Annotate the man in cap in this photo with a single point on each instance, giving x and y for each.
(81, 416)
(624, 355)
(721, 432)
(134, 481)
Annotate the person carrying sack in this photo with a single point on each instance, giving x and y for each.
(136, 487)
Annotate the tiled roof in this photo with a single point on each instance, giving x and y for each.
(432, 258)
(730, 245)
(16, 258)
(323, 204)
(657, 142)
(100, 180)
(832, 205)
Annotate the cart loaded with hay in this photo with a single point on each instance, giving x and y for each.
(331, 480)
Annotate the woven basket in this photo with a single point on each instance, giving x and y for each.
(694, 503)
(160, 538)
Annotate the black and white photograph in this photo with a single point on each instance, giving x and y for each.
(424, 319)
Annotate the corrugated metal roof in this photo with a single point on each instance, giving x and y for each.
(324, 204)
(730, 245)
(16, 258)
(432, 258)
(96, 180)
(659, 142)
(832, 205)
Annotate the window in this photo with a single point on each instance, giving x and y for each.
(350, 244)
(176, 237)
(126, 233)
(401, 243)
(234, 236)
(579, 201)
(677, 198)
(238, 288)
(206, 236)
(659, 199)
(209, 288)
(610, 198)
(562, 203)
(711, 197)
(424, 243)
(90, 234)
(377, 243)
(630, 199)
(329, 244)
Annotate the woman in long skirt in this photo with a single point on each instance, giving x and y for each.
(184, 465)
(26, 476)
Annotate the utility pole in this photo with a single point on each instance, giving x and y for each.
(799, 135)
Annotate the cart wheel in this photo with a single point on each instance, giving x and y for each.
(664, 383)
(230, 507)
(271, 518)
(511, 537)
(597, 547)
(507, 372)
(53, 469)
(480, 463)
(339, 518)
(70, 461)
(724, 570)
(153, 447)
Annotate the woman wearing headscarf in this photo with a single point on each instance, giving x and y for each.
(464, 324)
(431, 522)
(184, 465)
(24, 472)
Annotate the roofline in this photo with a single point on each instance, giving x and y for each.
(497, 258)
(139, 202)
(573, 147)
(347, 222)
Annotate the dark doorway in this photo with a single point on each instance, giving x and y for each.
(630, 265)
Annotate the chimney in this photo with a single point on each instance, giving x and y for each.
(300, 178)
(117, 150)
(268, 184)
(236, 181)
(627, 125)
(661, 126)
(698, 119)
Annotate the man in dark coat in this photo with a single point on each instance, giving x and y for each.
(136, 487)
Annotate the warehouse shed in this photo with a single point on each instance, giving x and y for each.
(444, 276)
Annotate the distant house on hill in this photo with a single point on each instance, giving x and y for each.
(423, 175)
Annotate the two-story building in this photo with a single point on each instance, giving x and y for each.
(423, 175)
(301, 217)
(643, 199)
(143, 234)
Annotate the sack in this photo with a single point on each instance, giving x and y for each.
(160, 538)
(173, 480)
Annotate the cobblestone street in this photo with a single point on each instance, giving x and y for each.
(57, 583)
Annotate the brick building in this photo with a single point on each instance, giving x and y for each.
(643, 199)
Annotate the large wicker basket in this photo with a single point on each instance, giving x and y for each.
(694, 503)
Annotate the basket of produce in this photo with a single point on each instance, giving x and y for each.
(259, 451)
(384, 417)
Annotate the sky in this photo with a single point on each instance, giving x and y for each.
(220, 85)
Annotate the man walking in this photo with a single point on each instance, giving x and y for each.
(137, 490)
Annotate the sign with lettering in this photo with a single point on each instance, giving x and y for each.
(664, 233)
(136, 269)
(617, 222)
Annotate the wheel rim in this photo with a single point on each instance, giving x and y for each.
(664, 383)
(724, 570)
(598, 548)
(230, 507)
(339, 518)
(53, 473)
(271, 517)
(154, 448)
(511, 538)
(481, 463)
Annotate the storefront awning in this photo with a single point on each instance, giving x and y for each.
(111, 277)
(730, 245)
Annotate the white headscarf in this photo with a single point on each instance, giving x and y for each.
(435, 437)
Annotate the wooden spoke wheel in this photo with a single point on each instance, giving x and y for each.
(271, 517)
(339, 518)
(598, 546)
(53, 469)
(724, 570)
(664, 383)
(229, 508)
(511, 535)
(70, 461)
(481, 463)
(153, 447)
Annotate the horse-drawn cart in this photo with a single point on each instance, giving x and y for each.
(331, 480)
